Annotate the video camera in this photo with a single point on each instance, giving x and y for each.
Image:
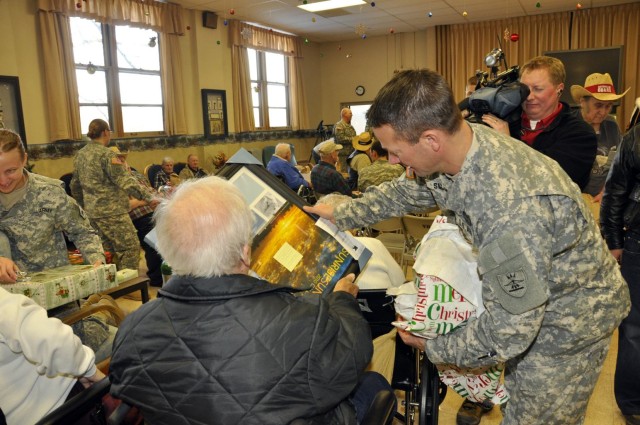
(502, 95)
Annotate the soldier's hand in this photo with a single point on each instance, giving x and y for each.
(8, 270)
(411, 340)
(324, 211)
(617, 254)
(346, 285)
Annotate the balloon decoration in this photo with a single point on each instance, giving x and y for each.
(430, 14)
(538, 5)
(391, 31)
(232, 11)
(515, 37)
(464, 13)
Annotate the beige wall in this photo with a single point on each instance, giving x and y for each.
(371, 63)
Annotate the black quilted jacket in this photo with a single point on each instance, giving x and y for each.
(237, 350)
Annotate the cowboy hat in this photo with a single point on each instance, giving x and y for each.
(327, 147)
(362, 142)
(117, 151)
(599, 86)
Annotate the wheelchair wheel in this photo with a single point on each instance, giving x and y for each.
(432, 393)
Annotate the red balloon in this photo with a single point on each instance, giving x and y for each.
(515, 37)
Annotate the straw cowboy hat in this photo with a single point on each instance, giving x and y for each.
(599, 86)
(362, 142)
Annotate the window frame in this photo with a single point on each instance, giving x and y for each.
(262, 83)
(112, 73)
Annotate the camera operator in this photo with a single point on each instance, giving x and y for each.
(547, 124)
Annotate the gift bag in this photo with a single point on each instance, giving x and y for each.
(445, 295)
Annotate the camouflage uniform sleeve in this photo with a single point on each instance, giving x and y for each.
(124, 180)
(76, 190)
(74, 222)
(390, 199)
(511, 322)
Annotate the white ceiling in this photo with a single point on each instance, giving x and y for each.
(379, 17)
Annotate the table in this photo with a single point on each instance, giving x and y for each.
(140, 283)
(62, 285)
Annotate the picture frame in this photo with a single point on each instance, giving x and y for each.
(291, 247)
(11, 116)
(214, 114)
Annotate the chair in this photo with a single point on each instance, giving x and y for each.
(150, 171)
(98, 304)
(391, 234)
(79, 405)
(267, 153)
(179, 166)
(415, 227)
(66, 179)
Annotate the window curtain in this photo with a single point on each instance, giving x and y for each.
(461, 48)
(243, 36)
(613, 26)
(60, 77)
(165, 18)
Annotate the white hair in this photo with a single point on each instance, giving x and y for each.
(203, 228)
(282, 149)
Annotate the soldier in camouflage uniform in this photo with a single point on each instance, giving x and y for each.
(34, 212)
(102, 185)
(553, 294)
(380, 170)
(343, 133)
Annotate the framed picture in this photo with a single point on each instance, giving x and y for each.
(11, 116)
(291, 247)
(214, 114)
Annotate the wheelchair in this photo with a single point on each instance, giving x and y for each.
(418, 378)
(413, 373)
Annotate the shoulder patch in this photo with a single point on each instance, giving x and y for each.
(506, 270)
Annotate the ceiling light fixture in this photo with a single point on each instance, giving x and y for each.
(330, 4)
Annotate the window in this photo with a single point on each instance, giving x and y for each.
(118, 75)
(269, 89)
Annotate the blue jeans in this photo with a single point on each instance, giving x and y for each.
(627, 375)
(370, 384)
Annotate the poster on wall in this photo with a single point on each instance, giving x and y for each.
(11, 116)
(214, 109)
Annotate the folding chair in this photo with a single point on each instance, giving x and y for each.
(391, 234)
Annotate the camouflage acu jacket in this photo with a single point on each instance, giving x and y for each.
(101, 184)
(549, 283)
(34, 226)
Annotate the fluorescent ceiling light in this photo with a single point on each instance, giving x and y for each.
(330, 4)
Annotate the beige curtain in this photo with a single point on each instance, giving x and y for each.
(60, 79)
(241, 83)
(175, 119)
(242, 36)
(613, 26)
(60, 85)
(462, 47)
(299, 111)
(161, 17)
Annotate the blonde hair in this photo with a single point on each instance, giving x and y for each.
(10, 140)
